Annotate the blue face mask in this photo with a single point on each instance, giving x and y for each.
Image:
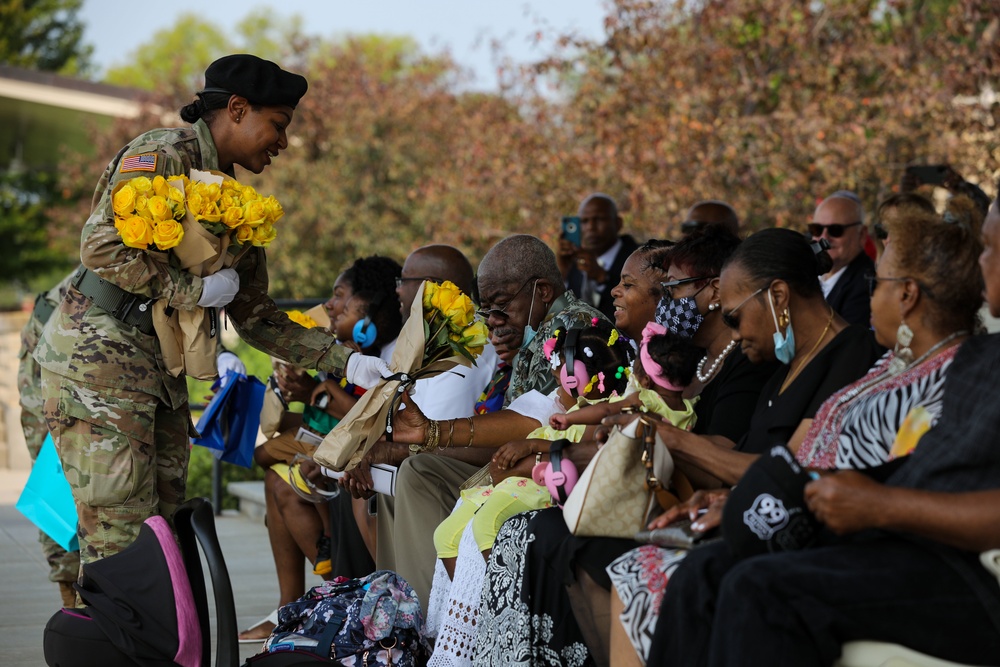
(784, 345)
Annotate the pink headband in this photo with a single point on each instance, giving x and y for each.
(653, 369)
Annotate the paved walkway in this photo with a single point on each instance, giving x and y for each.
(29, 599)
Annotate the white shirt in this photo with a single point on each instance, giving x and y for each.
(827, 284)
(592, 290)
(453, 395)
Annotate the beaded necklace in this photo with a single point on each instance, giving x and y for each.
(703, 378)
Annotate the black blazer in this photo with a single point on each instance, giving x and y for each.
(849, 297)
(606, 304)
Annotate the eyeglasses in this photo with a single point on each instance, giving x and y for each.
(500, 311)
(668, 287)
(734, 322)
(401, 280)
(833, 231)
(873, 281)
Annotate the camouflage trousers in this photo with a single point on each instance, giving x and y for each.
(125, 455)
(63, 565)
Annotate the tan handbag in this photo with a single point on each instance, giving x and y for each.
(615, 493)
(188, 340)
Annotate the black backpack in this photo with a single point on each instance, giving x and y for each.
(148, 604)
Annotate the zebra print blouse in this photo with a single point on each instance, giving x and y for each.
(856, 427)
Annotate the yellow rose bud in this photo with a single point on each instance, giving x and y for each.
(474, 338)
(244, 234)
(160, 186)
(123, 202)
(159, 209)
(136, 232)
(140, 203)
(228, 201)
(211, 191)
(142, 185)
(195, 202)
(232, 217)
(263, 235)
(460, 313)
(167, 234)
(175, 195)
(429, 290)
(254, 213)
(248, 193)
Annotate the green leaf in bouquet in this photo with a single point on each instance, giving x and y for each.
(461, 349)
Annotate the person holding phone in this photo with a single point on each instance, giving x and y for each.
(944, 176)
(840, 219)
(592, 251)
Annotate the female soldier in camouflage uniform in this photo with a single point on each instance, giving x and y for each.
(120, 423)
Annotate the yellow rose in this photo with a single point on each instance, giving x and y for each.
(254, 213)
(443, 297)
(232, 217)
(180, 178)
(248, 193)
(302, 319)
(209, 212)
(263, 235)
(159, 209)
(274, 210)
(211, 191)
(195, 202)
(140, 204)
(474, 338)
(175, 196)
(244, 234)
(136, 232)
(228, 201)
(167, 234)
(123, 202)
(142, 185)
(160, 186)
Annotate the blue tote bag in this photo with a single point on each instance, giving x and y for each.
(230, 423)
(47, 499)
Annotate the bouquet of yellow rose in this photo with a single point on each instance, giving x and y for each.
(440, 334)
(205, 221)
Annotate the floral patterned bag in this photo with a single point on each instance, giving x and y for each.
(374, 621)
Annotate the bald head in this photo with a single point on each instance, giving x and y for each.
(517, 257)
(711, 213)
(843, 211)
(437, 263)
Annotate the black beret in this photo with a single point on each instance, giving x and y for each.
(766, 511)
(260, 81)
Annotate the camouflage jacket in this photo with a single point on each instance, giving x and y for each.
(28, 381)
(85, 343)
(531, 368)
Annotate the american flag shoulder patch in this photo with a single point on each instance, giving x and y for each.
(144, 162)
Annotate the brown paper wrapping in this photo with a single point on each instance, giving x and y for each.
(359, 430)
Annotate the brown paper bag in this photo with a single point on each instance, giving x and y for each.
(349, 441)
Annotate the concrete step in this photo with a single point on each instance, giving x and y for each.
(251, 499)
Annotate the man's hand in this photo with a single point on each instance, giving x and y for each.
(409, 425)
(586, 261)
(295, 384)
(846, 501)
(565, 257)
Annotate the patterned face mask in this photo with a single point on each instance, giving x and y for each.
(679, 316)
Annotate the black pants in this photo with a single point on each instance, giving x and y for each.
(798, 608)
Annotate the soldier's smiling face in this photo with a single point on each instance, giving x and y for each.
(261, 135)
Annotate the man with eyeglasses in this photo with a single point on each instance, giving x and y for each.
(840, 220)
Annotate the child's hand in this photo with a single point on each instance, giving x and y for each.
(511, 453)
(560, 422)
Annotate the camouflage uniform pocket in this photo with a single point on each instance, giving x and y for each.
(106, 445)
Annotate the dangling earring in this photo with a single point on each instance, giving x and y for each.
(902, 354)
(784, 318)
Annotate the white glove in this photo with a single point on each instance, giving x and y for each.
(219, 288)
(228, 361)
(365, 370)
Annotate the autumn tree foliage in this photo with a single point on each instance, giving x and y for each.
(767, 104)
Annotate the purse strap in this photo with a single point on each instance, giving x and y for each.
(648, 435)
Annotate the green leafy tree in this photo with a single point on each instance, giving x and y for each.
(25, 224)
(44, 35)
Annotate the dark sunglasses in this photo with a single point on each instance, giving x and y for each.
(730, 319)
(833, 231)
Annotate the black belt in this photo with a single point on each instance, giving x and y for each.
(126, 307)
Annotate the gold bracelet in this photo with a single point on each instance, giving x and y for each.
(433, 435)
(472, 431)
(451, 432)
